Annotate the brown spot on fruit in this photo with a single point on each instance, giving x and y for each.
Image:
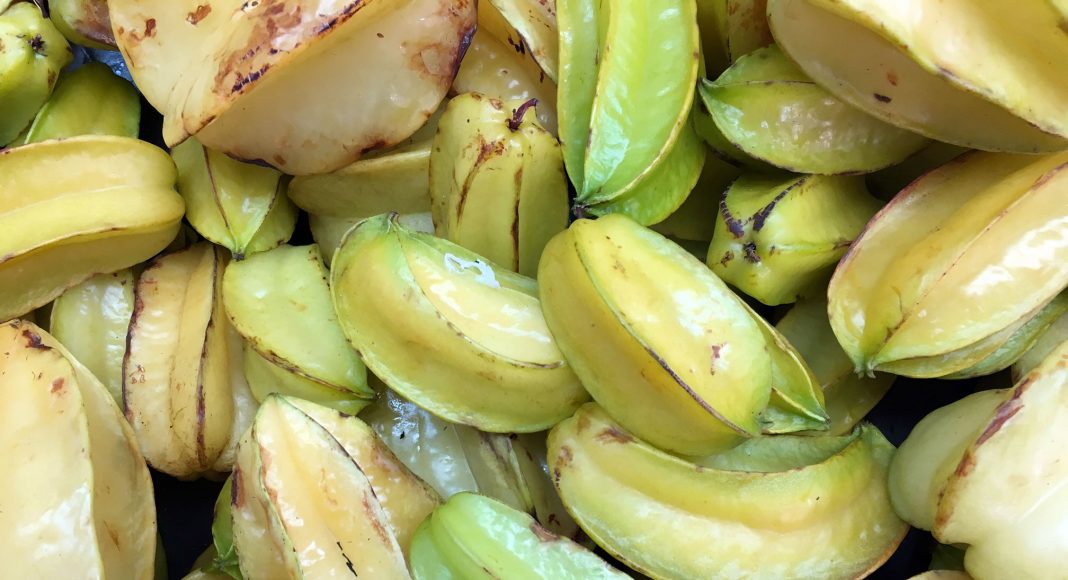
(237, 491)
(882, 98)
(58, 386)
(200, 13)
(750, 253)
(150, 28)
(1004, 412)
(368, 508)
(614, 434)
(716, 348)
(891, 77)
(544, 536)
(33, 340)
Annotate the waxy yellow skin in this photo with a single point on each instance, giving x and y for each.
(663, 345)
(76, 207)
(92, 319)
(984, 472)
(32, 52)
(767, 108)
(241, 72)
(280, 303)
(749, 513)
(89, 100)
(496, 64)
(458, 335)
(947, 272)
(778, 235)
(177, 387)
(919, 66)
(82, 500)
(497, 183)
(239, 206)
(357, 513)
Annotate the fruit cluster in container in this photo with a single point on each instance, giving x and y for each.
(572, 289)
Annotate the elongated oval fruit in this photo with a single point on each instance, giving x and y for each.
(280, 303)
(89, 100)
(450, 331)
(768, 108)
(76, 494)
(947, 272)
(32, 52)
(455, 458)
(176, 374)
(497, 183)
(473, 536)
(92, 319)
(918, 66)
(240, 73)
(751, 512)
(984, 472)
(731, 29)
(535, 22)
(777, 235)
(625, 125)
(847, 396)
(498, 65)
(76, 207)
(239, 206)
(662, 343)
(354, 518)
(84, 22)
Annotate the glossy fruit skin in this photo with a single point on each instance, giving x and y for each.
(84, 22)
(669, 372)
(674, 518)
(777, 236)
(473, 536)
(77, 207)
(89, 100)
(290, 435)
(449, 330)
(768, 109)
(231, 102)
(914, 294)
(625, 120)
(992, 444)
(239, 206)
(78, 495)
(32, 52)
(497, 183)
(916, 66)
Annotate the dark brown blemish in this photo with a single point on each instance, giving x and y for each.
(614, 434)
(57, 386)
(751, 255)
(716, 348)
(564, 458)
(727, 257)
(891, 77)
(150, 28)
(1004, 412)
(734, 226)
(237, 492)
(33, 340)
(199, 14)
(38, 44)
(348, 562)
(244, 80)
(881, 98)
